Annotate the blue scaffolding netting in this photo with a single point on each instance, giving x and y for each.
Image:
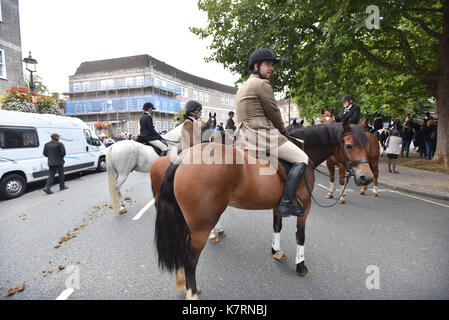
(122, 104)
(113, 84)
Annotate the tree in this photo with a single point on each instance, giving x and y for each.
(327, 50)
(39, 86)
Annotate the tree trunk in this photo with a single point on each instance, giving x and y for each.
(442, 96)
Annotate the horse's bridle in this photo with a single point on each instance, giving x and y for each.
(348, 164)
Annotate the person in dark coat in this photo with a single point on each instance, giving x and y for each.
(349, 110)
(55, 152)
(148, 134)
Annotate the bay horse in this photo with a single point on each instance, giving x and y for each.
(337, 159)
(126, 156)
(188, 205)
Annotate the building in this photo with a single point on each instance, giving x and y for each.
(11, 66)
(114, 90)
(288, 109)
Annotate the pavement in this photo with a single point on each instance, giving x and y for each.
(420, 182)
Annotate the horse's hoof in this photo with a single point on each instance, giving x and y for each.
(374, 194)
(329, 195)
(341, 201)
(221, 233)
(213, 238)
(362, 193)
(123, 210)
(279, 255)
(190, 296)
(301, 270)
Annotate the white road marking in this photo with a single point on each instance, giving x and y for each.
(65, 294)
(430, 201)
(337, 190)
(141, 212)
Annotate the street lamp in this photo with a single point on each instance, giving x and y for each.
(30, 65)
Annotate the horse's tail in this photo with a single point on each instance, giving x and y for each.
(172, 235)
(112, 178)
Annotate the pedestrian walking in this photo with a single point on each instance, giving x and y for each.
(55, 152)
(394, 143)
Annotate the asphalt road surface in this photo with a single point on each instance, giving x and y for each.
(395, 246)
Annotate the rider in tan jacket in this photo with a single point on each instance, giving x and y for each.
(260, 122)
(191, 130)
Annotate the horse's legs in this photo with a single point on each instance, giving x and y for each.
(276, 251)
(301, 268)
(341, 172)
(121, 178)
(199, 240)
(375, 170)
(331, 168)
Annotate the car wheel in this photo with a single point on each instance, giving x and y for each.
(101, 164)
(12, 186)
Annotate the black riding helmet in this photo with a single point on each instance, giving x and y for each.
(347, 97)
(192, 106)
(260, 55)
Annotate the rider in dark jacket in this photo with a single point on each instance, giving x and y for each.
(148, 134)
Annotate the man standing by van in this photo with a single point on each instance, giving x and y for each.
(55, 151)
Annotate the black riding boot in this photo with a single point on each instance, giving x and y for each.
(288, 205)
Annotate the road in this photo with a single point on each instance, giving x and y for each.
(405, 239)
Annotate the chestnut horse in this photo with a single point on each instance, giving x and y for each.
(337, 159)
(188, 205)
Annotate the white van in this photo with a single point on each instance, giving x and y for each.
(22, 139)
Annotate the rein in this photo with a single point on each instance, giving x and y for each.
(349, 170)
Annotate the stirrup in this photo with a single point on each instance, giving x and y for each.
(288, 208)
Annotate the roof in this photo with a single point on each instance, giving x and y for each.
(17, 118)
(145, 60)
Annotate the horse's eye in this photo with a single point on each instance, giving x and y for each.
(349, 146)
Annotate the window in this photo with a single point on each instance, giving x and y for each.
(231, 102)
(129, 82)
(86, 86)
(158, 126)
(77, 86)
(165, 126)
(18, 137)
(140, 80)
(109, 83)
(185, 92)
(195, 95)
(172, 125)
(201, 96)
(131, 127)
(88, 136)
(223, 101)
(1, 16)
(2, 60)
(206, 97)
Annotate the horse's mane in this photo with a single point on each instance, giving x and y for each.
(329, 133)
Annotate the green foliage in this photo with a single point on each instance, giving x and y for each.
(39, 86)
(326, 50)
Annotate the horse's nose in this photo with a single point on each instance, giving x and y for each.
(364, 179)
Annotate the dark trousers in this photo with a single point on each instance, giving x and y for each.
(51, 176)
(430, 149)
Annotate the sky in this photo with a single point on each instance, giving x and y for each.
(63, 33)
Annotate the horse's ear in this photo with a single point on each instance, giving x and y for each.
(210, 114)
(302, 122)
(215, 114)
(322, 111)
(332, 111)
(294, 122)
